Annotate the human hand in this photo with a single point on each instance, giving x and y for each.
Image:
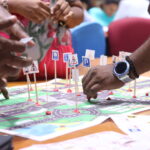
(9, 24)
(3, 90)
(34, 10)
(10, 64)
(61, 11)
(100, 78)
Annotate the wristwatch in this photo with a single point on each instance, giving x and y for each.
(125, 70)
(122, 71)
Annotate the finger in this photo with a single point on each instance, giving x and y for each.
(19, 62)
(90, 84)
(4, 92)
(94, 96)
(62, 11)
(68, 16)
(7, 22)
(56, 7)
(17, 32)
(66, 11)
(8, 45)
(9, 71)
(3, 83)
(44, 14)
(45, 6)
(95, 88)
(39, 18)
(86, 79)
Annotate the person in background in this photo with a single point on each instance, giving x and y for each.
(47, 21)
(132, 8)
(87, 5)
(106, 12)
(116, 75)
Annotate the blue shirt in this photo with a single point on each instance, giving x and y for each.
(100, 16)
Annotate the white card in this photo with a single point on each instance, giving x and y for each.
(75, 74)
(90, 54)
(103, 60)
(34, 68)
(26, 40)
(122, 55)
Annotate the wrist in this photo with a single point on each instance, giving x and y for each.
(133, 71)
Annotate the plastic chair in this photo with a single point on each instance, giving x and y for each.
(88, 36)
(127, 34)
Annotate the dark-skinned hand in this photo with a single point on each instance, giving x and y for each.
(99, 78)
(61, 11)
(13, 26)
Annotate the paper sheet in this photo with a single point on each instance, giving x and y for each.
(98, 141)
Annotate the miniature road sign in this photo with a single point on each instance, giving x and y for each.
(66, 57)
(86, 61)
(73, 60)
(55, 55)
(34, 68)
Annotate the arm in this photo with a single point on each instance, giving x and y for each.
(102, 78)
(141, 58)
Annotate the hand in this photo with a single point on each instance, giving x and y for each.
(10, 24)
(3, 90)
(3, 83)
(61, 11)
(10, 64)
(100, 78)
(34, 10)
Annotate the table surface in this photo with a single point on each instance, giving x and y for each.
(108, 125)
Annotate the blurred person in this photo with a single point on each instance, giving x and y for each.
(87, 4)
(132, 8)
(105, 14)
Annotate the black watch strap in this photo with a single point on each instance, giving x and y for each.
(132, 67)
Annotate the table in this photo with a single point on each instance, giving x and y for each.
(108, 125)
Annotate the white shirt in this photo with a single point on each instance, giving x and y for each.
(133, 8)
(88, 17)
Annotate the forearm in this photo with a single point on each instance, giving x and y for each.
(77, 17)
(141, 58)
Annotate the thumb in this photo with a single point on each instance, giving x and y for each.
(6, 23)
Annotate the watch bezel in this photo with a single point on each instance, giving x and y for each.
(126, 72)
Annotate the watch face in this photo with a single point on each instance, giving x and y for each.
(121, 68)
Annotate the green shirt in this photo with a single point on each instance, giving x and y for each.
(100, 16)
